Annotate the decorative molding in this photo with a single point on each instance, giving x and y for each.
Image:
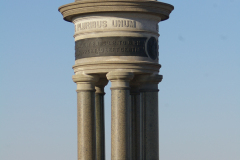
(69, 11)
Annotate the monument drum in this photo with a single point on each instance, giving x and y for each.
(117, 41)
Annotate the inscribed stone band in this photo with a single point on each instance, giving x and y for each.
(116, 46)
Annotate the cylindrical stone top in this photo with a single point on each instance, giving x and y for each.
(112, 34)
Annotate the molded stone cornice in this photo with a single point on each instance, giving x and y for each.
(139, 67)
(69, 11)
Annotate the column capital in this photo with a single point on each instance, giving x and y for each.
(119, 79)
(85, 78)
(120, 75)
(100, 84)
(153, 78)
(150, 82)
(85, 82)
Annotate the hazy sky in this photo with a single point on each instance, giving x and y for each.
(199, 98)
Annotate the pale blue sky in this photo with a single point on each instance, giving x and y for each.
(199, 98)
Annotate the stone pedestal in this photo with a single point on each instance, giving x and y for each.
(117, 41)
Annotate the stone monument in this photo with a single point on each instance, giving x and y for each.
(117, 41)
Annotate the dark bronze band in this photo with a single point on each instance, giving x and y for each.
(110, 46)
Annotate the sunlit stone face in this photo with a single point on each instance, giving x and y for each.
(107, 23)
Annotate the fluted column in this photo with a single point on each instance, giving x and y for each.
(136, 143)
(120, 118)
(100, 127)
(149, 97)
(86, 116)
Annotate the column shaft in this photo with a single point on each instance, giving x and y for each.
(120, 125)
(136, 142)
(86, 116)
(100, 124)
(100, 129)
(120, 118)
(150, 125)
(86, 125)
(149, 104)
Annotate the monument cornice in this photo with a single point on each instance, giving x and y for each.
(71, 10)
(105, 67)
(114, 30)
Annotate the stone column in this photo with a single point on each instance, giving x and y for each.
(86, 116)
(99, 109)
(149, 97)
(120, 118)
(136, 143)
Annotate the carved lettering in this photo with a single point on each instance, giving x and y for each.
(132, 24)
(124, 23)
(90, 25)
(107, 50)
(110, 46)
(104, 24)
